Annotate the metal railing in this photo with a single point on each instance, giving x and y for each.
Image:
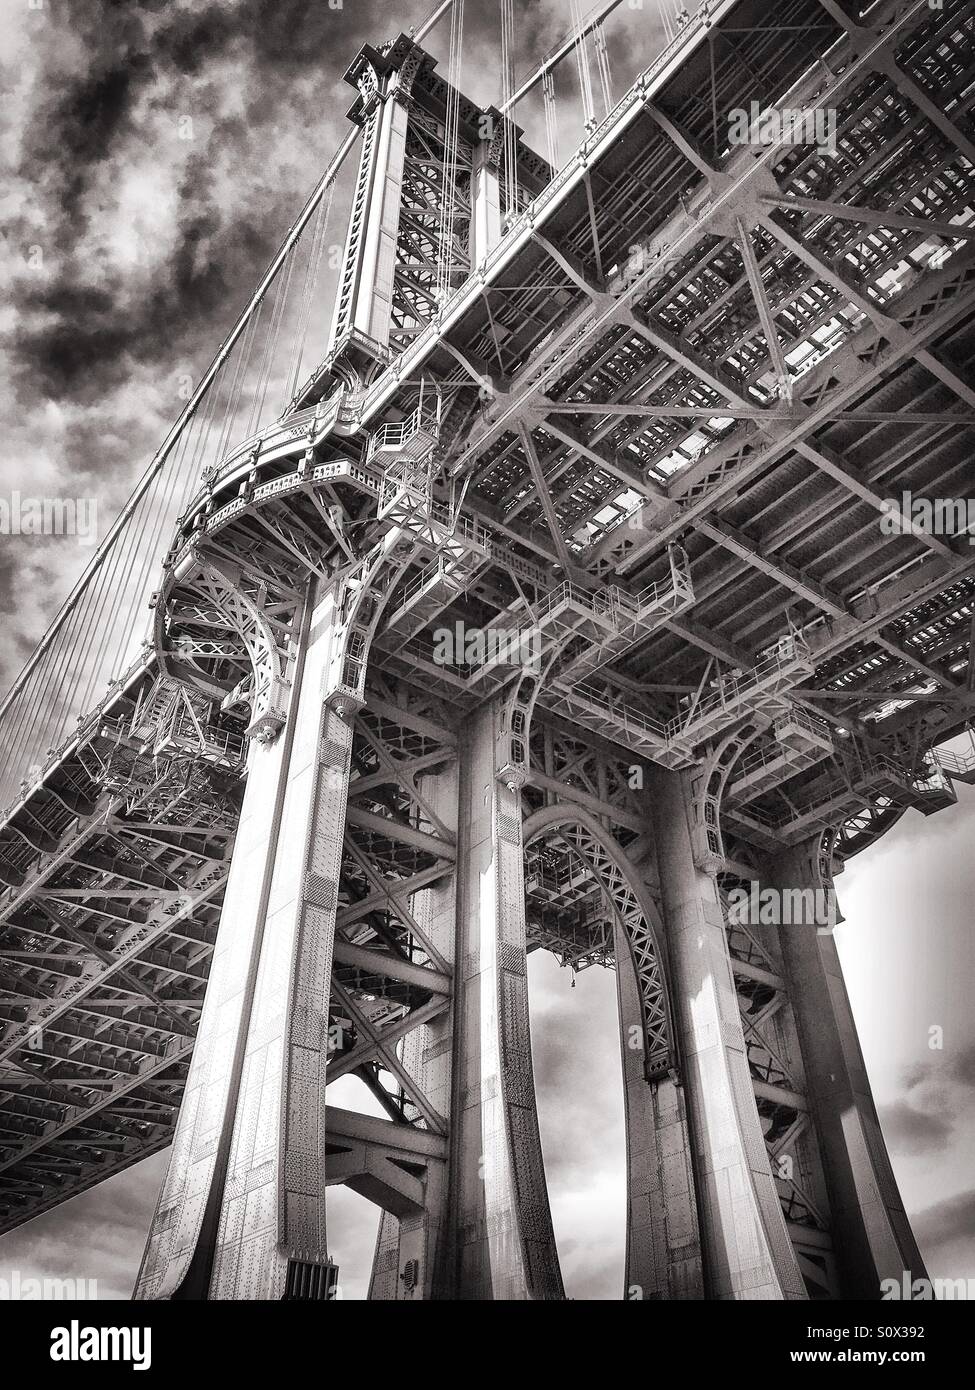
(732, 690)
(955, 762)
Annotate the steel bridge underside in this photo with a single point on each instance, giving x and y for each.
(744, 350)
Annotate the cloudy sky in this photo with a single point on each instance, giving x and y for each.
(154, 155)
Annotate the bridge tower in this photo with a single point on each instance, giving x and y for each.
(559, 609)
(403, 846)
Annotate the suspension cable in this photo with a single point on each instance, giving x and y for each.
(602, 67)
(200, 394)
(551, 121)
(507, 91)
(582, 66)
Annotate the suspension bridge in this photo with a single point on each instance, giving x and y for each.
(649, 401)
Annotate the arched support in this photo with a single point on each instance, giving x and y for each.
(242, 1212)
(636, 913)
(663, 1251)
(707, 786)
(204, 591)
(515, 714)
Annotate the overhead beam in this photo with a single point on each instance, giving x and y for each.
(545, 498)
(870, 217)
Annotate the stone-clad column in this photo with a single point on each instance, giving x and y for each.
(872, 1236)
(365, 290)
(178, 1254)
(745, 1244)
(485, 230)
(274, 1203)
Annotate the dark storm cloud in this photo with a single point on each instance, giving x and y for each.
(80, 330)
(80, 333)
(158, 153)
(86, 343)
(100, 1231)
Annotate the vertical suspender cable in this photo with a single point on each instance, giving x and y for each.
(67, 669)
(507, 92)
(200, 394)
(603, 68)
(162, 520)
(450, 152)
(582, 66)
(312, 272)
(280, 308)
(551, 120)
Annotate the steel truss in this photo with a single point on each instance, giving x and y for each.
(672, 404)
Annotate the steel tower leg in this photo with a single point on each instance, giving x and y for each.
(485, 199)
(366, 289)
(500, 1242)
(663, 1248)
(746, 1246)
(871, 1232)
(244, 1196)
(178, 1254)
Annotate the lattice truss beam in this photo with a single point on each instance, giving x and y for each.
(770, 380)
(113, 884)
(603, 365)
(389, 977)
(428, 219)
(571, 910)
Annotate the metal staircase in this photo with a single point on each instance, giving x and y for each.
(957, 766)
(166, 749)
(867, 776)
